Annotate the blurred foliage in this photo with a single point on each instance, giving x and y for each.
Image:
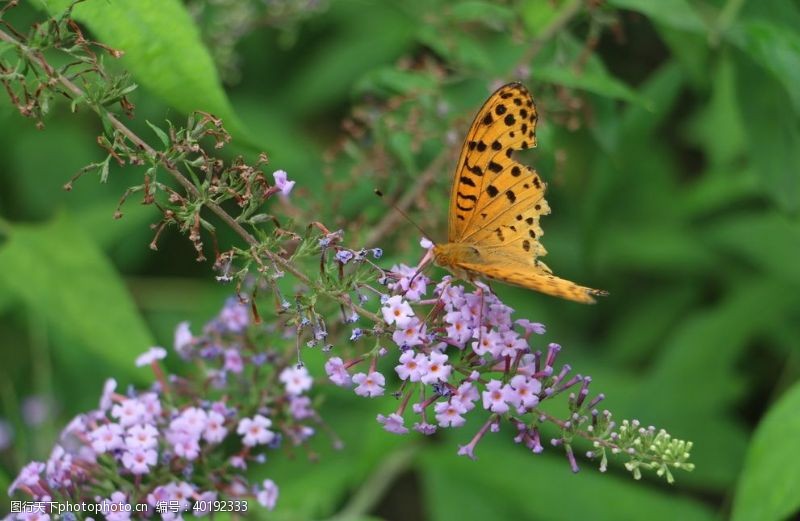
(670, 138)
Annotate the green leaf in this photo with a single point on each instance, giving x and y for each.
(162, 136)
(771, 477)
(163, 51)
(508, 482)
(652, 247)
(59, 272)
(485, 12)
(769, 241)
(774, 47)
(717, 126)
(696, 379)
(367, 35)
(602, 84)
(400, 145)
(678, 14)
(537, 15)
(772, 133)
(390, 80)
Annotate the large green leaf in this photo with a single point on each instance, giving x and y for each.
(508, 482)
(769, 241)
(678, 14)
(771, 477)
(59, 272)
(597, 82)
(695, 380)
(774, 47)
(772, 133)
(163, 51)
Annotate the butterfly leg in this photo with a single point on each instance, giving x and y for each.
(480, 314)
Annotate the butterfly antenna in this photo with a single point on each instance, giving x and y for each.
(401, 212)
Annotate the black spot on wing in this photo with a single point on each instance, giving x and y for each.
(475, 169)
(467, 181)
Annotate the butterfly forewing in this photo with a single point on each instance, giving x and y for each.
(495, 199)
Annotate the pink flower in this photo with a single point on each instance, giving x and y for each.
(459, 329)
(235, 316)
(130, 412)
(412, 284)
(531, 327)
(426, 243)
(28, 477)
(108, 392)
(181, 492)
(448, 415)
(393, 423)
(215, 430)
(204, 504)
(255, 430)
(233, 361)
(300, 407)
(143, 436)
(411, 335)
(412, 366)
(489, 341)
(436, 368)
(183, 339)
(397, 311)
(106, 438)
(499, 314)
(185, 445)
(192, 420)
(425, 428)
(337, 373)
(494, 397)
(282, 182)
(116, 507)
(154, 354)
(369, 385)
(512, 344)
(151, 405)
(268, 495)
(139, 460)
(524, 392)
(296, 380)
(465, 396)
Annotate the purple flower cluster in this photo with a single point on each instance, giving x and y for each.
(177, 447)
(457, 352)
(187, 441)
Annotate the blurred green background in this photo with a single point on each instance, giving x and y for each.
(669, 136)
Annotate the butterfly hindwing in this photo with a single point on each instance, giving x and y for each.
(537, 278)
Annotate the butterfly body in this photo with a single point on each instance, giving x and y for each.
(496, 203)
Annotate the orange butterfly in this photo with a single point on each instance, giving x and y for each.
(496, 202)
